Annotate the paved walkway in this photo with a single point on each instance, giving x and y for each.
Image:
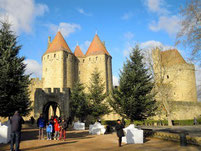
(82, 141)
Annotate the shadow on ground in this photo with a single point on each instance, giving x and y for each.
(49, 145)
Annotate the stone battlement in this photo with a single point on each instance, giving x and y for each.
(54, 90)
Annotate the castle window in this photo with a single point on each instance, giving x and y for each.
(47, 56)
(54, 55)
(43, 58)
(79, 72)
(167, 76)
(89, 59)
(46, 69)
(83, 60)
(96, 58)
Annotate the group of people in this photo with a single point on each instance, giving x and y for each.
(56, 128)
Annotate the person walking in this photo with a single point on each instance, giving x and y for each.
(49, 129)
(63, 128)
(119, 129)
(41, 126)
(16, 126)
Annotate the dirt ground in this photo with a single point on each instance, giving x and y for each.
(82, 141)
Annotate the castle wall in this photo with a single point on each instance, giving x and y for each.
(87, 66)
(53, 70)
(71, 69)
(182, 80)
(177, 80)
(110, 79)
(181, 110)
(35, 83)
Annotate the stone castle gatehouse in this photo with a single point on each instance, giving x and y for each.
(62, 68)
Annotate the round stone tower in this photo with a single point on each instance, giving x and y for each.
(57, 63)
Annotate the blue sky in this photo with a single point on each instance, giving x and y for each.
(120, 23)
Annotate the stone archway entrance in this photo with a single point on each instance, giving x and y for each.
(51, 109)
(52, 103)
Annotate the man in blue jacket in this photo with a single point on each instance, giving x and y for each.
(41, 126)
(16, 126)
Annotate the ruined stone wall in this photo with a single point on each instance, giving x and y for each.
(179, 79)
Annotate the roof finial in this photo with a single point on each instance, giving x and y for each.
(77, 43)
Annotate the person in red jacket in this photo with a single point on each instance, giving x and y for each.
(56, 129)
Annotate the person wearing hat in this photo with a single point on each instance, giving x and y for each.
(119, 129)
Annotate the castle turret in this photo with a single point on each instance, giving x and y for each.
(97, 56)
(54, 63)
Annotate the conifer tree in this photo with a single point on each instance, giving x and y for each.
(96, 96)
(14, 94)
(133, 99)
(79, 104)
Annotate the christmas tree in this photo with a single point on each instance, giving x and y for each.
(14, 94)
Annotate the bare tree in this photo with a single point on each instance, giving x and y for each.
(190, 32)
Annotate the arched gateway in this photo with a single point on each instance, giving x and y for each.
(52, 103)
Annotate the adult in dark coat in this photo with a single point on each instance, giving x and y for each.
(16, 126)
(119, 129)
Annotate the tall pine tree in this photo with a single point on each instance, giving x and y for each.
(96, 95)
(14, 94)
(79, 104)
(133, 99)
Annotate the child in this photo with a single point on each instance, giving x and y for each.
(49, 131)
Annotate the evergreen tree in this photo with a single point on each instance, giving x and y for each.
(96, 96)
(79, 104)
(14, 94)
(133, 99)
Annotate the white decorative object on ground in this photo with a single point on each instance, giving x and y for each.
(5, 131)
(96, 129)
(79, 126)
(133, 135)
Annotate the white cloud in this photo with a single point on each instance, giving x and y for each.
(33, 68)
(157, 6)
(128, 48)
(153, 44)
(85, 46)
(115, 81)
(21, 13)
(169, 24)
(128, 35)
(65, 28)
(127, 16)
(81, 11)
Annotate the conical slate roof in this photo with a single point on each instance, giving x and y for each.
(58, 43)
(96, 47)
(78, 52)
